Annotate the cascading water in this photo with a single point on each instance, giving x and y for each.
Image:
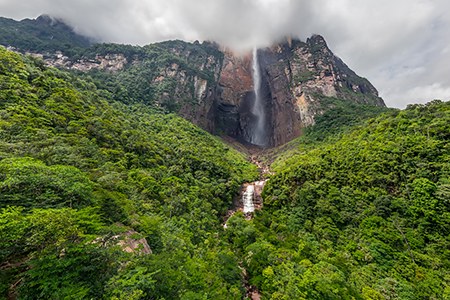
(258, 133)
(247, 199)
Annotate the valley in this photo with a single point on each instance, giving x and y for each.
(182, 170)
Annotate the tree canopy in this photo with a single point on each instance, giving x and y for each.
(102, 198)
(79, 171)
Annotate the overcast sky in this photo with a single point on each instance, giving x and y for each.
(401, 46)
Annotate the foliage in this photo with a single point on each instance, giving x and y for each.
(339, 116)
(356, 209)
(79, 171)
(30, 183)
(364, 216)
(42, 34)
(160, 75)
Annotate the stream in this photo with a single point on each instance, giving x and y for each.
(248, 201)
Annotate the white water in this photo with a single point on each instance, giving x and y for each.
(247, 199)
(258, 136)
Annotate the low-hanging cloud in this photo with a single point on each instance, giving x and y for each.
(401, 46)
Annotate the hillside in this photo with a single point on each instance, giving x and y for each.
(81, 174)
(43, 34)
(112, 185)
(364, 216)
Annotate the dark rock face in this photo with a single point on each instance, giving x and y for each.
(295, 75)
(286, 122)
(235, 95)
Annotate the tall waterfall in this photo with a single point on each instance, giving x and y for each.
(258, 134)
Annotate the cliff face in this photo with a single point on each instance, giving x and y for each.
(186, 80)
(235, 96)
(214, 88)
(296, 76)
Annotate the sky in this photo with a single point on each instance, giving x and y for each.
(401, 46)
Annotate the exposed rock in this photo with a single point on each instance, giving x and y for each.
(235, 94)
(193, 94)
(248, 200)
(109, 62)
(294, 76)
(200, 86)
(129, 243)
(236, 77)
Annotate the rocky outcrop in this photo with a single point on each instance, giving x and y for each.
(188, 82)
(131, 242)
(234, 97)
(108, 62)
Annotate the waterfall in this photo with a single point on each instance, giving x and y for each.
(258, 134)
(247, 199)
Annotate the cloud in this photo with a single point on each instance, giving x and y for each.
(401, 46)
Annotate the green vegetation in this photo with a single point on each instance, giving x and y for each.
(79, 171)
(364, 216)
(152, 74)
(339, 116)
(159, 75)
(304, 76)
(91, 165)
(44, 34)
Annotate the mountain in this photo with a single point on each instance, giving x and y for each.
(213, 88)
(365, 216)
(44, 34)
(110, 188)
(298, 82)
(87, 182)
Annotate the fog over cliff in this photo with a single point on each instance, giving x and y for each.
(402, 46)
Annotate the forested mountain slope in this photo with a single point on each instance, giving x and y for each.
(366, 216)
(83, 178)
(43, 34)
(104, 195)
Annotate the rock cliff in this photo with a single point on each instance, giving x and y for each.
(296, 77)
(211, 86)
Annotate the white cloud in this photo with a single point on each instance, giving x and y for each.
(400, 46)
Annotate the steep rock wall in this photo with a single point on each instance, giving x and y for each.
(235, 88)
(295, 77)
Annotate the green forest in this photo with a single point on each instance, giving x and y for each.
(362, 216)
(109, 199)
(43, 34)
(80, 172)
